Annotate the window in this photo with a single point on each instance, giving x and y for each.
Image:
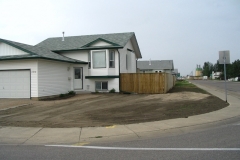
(111, 59)
(99, 59)
(101, 86)
(89, 60)
(77, 72)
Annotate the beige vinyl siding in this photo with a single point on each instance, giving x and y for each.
(115, 70)
(79, 55)
(53, 78)
(101, 43)
(131, 59)
(131, 62)
(7, 50)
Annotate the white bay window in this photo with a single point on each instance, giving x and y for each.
(99, 59)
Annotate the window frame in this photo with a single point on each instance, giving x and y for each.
(79, 73)
(111, 60)
(101, 85)
(92, 52)
(89, 60)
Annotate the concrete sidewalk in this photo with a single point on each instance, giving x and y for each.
(82, 136)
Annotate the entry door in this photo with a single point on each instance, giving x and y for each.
(77, 81)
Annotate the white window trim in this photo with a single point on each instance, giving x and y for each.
(105, 59)
(89, 60)
(110, 52)
(101, 86)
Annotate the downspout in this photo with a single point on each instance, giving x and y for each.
(119, 83)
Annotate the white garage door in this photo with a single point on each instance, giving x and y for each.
(15, 84)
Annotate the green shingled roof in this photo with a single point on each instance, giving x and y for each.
(155, 64)
(36, 52)
(81, 42)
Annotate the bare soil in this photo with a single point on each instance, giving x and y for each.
(88, 110)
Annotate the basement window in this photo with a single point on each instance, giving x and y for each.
(101, 86)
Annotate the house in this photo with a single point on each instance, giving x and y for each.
(215, 75)
(58, 65)
(155, 66)
(175, 72)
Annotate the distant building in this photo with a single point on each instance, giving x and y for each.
(198, 71)
(175, 72)
(215, 75)
(155, 66)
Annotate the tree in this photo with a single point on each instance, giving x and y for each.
(232, 70)
(207, 69)
(218, 67)
(235, 68)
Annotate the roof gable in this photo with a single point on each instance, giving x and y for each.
(117, 40)
(100, 42)
(9, 50)
(35, 52)
(91, 42)
(16, 45)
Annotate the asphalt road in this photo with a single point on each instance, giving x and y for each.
(233, 88)
(216, 141)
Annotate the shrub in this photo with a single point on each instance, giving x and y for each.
(72, 93)
(112, 91)
(62, 95)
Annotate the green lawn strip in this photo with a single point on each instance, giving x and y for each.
(184, 83)
(185, 86)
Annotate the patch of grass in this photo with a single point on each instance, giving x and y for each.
(185, 86)
(184, 83)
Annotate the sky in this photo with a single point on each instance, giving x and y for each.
(189, 32)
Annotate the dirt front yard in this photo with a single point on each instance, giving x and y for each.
(87, 110)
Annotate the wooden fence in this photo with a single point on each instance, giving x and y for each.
(146, 82)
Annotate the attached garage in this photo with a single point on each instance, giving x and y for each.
(15, 84)
(33, 72)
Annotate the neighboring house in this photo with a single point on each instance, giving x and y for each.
(175, 72)
(155, 66)
(215, 75)
(58, 65)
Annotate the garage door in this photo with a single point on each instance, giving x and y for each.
(15, 84)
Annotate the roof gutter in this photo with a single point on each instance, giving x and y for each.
(42, 58)
(82, 49)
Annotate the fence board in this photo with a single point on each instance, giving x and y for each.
(146, 82)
